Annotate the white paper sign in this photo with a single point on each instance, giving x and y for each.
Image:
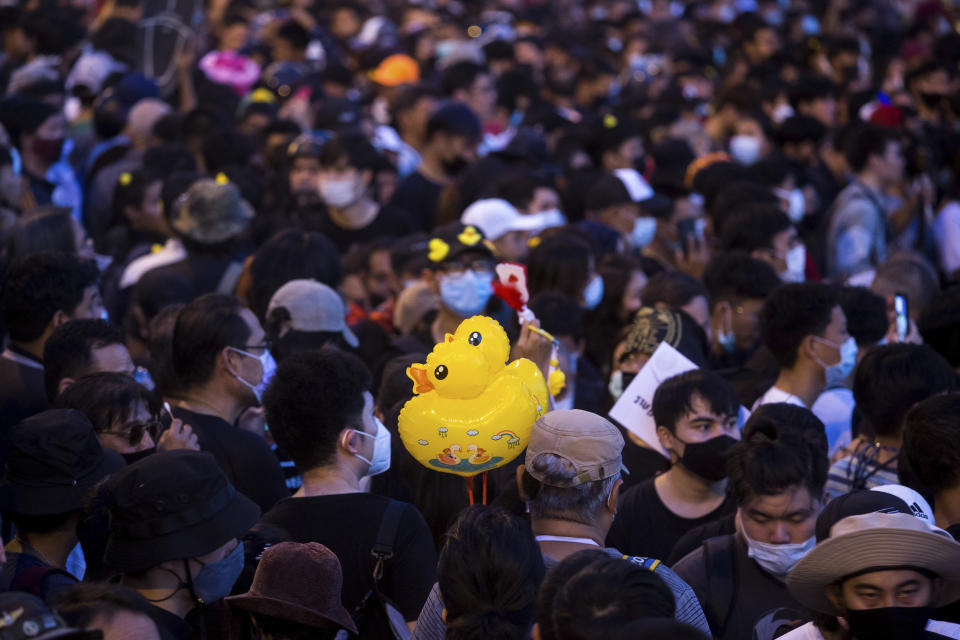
(634, 408)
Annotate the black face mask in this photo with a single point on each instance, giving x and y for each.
(136, 456)
(932, 100)
(889, 623)
(455, 167)
(708, 459)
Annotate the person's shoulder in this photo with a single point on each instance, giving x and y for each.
(807, 631)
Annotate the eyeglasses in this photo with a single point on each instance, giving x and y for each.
(134, 432)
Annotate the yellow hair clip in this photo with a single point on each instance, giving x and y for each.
(222, 178)
(610, 121)
(438, 250)
(125, 179)
(534, 242)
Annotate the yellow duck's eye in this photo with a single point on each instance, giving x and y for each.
(440, 372)
(475, 338)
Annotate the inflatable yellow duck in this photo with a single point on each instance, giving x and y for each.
(473, 412)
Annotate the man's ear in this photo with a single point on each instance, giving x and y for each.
(348, 440)
(614, 496)
(59, 318)
(666, 438)
(523, 495)
(64, 385)
(228, 361)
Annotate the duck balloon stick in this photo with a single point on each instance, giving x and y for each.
(473, 411)
(511, 287)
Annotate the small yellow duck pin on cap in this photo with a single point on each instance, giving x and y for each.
(438, 250)
(222, 178)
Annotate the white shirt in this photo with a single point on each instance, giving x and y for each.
(171, 252)
(774, 394)
(834, 407)
(947, 236)
(810, 632)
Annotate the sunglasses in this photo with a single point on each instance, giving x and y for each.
(134, 433)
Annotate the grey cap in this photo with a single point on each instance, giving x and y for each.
(590, 443)
(313, 307)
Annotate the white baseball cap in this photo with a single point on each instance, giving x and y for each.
(495, 217)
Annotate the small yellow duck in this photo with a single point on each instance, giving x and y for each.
(467, 398)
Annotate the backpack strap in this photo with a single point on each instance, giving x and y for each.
(228, 281)
(31, 580)
(383, 547)
(719, 560)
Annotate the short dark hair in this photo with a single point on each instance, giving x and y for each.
(204, 327)
(738, 276)
(892, 378)
(105, 398)
(940, 325)
(730, 199)
(753, 227)
(673, 398)
(489, 571)
(354, 148)
(558, 314)
(866, 315)
(607, 594)
(783, 446)
(793, 312)
(561, 262)
(555, 580)
(46, 228)
(68, 352)
(931, 442)
(294, 33)
(455, 119)
(81, 603)
(291, 255)
(460, 76)
(41, 284)
(312, 398)
(799, 129)
(865, 141)
(673, 288)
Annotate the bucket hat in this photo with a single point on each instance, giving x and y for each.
(172, 505)
(54, 460)
(300, 583)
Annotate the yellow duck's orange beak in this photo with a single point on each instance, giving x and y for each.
(418, 373)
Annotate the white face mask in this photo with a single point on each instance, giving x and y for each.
(381, 449)
(745, 149)
(796, 265)
(339, 194)
(267, 366)
(593, 294)
(644, 230)
(777, 559)
(797, 203)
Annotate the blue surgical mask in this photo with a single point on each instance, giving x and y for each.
(727, 341)
(644, 230)
(837, 373)
(777, 559)
(267, 365)
(215, 580)
(593, 294)
(467, 293)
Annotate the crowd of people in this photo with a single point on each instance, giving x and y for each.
(228, 228)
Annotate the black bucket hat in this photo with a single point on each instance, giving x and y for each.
(172, 505)
(54, 460)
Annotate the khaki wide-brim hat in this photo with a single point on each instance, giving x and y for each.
(876, 542)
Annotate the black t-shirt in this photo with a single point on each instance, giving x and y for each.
(734, 591)
(348, 525)
(644, 526)
(390, 222)
(244, 457)
(419, 197)
(643, 463)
